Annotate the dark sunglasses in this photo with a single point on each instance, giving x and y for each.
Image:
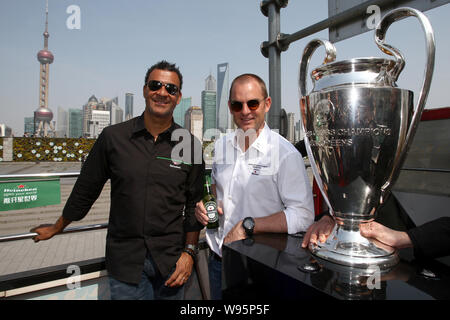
(155, 85)
(253, 104)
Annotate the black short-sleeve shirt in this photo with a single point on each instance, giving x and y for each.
(154, 188)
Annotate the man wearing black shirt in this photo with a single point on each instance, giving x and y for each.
(150, 243)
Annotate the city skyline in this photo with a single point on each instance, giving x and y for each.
(109, 58)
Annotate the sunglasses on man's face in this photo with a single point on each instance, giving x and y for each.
(253, 104)
(155, 85)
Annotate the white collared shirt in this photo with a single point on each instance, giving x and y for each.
(269, 177)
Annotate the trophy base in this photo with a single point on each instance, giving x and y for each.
(347, 247)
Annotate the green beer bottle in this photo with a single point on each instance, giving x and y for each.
(210, 205)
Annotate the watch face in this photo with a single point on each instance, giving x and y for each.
(249, 224)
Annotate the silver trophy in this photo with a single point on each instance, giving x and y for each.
(358, 128)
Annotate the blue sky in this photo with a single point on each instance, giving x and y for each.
(118, 40)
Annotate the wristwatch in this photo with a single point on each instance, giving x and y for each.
(248, 224)
(192, 248)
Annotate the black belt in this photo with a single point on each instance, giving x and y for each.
(215, 256)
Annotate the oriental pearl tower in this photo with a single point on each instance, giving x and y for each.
(43, 114)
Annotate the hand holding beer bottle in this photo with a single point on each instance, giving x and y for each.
(206, 211)
(210, 204)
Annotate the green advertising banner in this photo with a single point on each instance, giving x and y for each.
(29, 193)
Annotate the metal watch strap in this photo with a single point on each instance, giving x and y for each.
(193, 248)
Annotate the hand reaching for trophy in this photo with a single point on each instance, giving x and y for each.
(320, 231)
(430, 240)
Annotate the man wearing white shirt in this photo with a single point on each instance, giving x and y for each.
(259, 178)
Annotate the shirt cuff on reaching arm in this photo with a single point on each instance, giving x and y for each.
(298, 219)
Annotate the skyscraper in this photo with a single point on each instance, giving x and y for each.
(87, 113)
(110, 102)
(128, 106)
(28, 126)
(43, 115)
(210, 83)
(298, 131)
(180, 110)
(223, 114)
(116, 114)
(194, 122)
(5, 131)
(209, 110)
(62, 123)
(209, 96)
(99, 120)
(75, 123)
(291, 127)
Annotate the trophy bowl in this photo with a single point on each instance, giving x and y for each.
(358, 127)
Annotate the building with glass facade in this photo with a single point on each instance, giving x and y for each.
(194, 122)
(128, 106)
(210, 83)
(209, 100)
(28, 126)
(223, 114)
(209, 110)
(87, 113)
(116, 114)
(62, 123)
(180, 110)
(75, 123)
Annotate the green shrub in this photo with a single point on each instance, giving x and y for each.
(51, 149)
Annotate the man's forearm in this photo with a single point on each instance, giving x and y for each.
(61, 224)
(275, 223)
(192, 237)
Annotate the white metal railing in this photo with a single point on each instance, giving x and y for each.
(30, 235)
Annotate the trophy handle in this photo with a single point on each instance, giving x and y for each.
(380, 34)
(306, 58)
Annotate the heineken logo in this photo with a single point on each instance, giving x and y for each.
(33, 193)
